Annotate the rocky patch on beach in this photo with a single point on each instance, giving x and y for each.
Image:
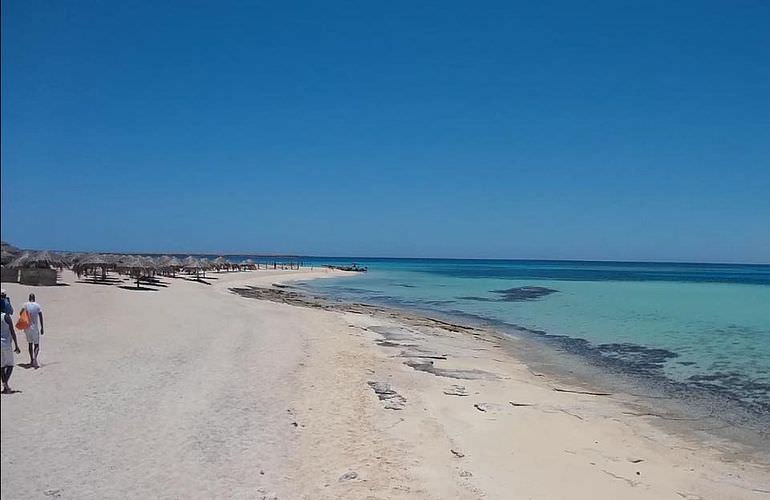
(296, 298)
(392, 399)
(427, 366)
(456, 390)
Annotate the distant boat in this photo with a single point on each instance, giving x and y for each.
(353, 267)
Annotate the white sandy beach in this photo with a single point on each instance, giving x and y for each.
(195, 392)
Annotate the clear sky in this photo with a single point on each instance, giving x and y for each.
(628, 130)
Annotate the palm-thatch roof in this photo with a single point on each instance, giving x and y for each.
(93, 262)
(20, 260)
(42, 259)
(96, 259)
(150, 263)
(247, 264)
(8, 253)
(192, 263)
(74, 258)
(136, 264)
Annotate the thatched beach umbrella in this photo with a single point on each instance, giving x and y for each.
(220, 263)
(93, 262)
(168, 265)
(151, 264)
(74, 258)
(174, 265)
(137, 267)
(68, 258)
(206, 264)
(120, 261)
(191, 264)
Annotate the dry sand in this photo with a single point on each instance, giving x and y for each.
(194, 392)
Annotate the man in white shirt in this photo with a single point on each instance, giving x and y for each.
(35, 329)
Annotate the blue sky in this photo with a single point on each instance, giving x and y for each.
(554, 129)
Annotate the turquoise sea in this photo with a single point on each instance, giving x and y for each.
(701, 328)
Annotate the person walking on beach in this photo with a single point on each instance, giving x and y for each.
(5, 303)
(35, 329)
(7, 359)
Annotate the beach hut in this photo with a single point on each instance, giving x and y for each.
(38, 268)
(8, 275)
(8, 253)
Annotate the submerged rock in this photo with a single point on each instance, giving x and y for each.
(523, 293)
(517, 294)
(479, 299)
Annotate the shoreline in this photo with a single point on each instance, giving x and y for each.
(195, 391)
(696, 412)
(693, 419)
(642, 422)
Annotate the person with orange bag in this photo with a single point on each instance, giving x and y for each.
(23, 322)
(34, 329)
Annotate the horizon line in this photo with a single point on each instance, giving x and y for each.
(311, 256)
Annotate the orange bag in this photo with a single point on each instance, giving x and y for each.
(24, 321)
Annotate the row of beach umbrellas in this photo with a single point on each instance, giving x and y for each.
(84, 263)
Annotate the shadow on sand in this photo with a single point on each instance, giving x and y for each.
(138, 288)
(110, 281)
(158, 283)
(199, 280)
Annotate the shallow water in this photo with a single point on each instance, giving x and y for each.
(703, 326)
